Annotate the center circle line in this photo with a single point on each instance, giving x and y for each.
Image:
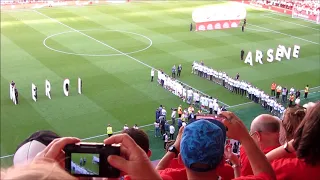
(97, 55)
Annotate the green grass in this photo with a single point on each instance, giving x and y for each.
(116, 89)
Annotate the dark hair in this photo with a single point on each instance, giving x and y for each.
(291, 120)
(140, 137)
(305, 137)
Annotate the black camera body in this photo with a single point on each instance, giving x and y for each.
(72, 151)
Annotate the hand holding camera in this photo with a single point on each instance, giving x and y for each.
(113, 159)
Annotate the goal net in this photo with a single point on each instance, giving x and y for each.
(307, 10)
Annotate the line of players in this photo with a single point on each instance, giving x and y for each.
(188, 94)
(240, 87)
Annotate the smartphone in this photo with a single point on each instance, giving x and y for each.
(90, 160)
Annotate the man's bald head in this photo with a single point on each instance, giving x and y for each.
(265, 123)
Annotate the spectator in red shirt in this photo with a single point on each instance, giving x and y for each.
(265, 132)
(306, 164)
(202, 149)
(169, 166)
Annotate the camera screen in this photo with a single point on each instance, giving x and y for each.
(85, 164)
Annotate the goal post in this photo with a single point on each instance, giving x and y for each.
(301, 13)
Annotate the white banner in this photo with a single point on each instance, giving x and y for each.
(219, 12)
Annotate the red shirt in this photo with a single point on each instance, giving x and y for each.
(294, 168)
(225, 171)
(244, 161)
(174, 163)
(181, 174)
(261, 176)
(173, 174)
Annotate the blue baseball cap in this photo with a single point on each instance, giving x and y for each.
(203, 143)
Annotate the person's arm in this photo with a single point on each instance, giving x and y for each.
(236, 170)
(234, 160)
(237, 130)
(166, 160)
(257, 159)
(280, 152)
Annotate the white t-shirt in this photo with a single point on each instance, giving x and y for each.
(190, 92)
(166, 138)
(152, 72)
(291, 91)
(163, 112)
(125, 127)
(215, 106)
(215, 73)
(202, 99)
(272, 103)
(171, 129)
(196, 97)
(173, 114)
(211, 104)
(206, 102)
(224, 75)
(156, 125)
(297, 101)
(184, 92)
(184, 124)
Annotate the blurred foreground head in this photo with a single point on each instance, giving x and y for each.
(41, 169)
(34, 144)
(202, 145)
(291, 120)
(307, 135)
(140, 137)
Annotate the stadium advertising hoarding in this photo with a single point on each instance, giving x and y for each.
(222, 16)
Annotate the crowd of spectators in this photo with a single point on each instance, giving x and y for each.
(200, 151)
(308, 7)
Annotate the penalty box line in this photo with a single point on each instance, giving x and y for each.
(120, 52)
(278, 32)
(308, 27)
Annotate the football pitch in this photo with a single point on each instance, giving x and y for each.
(112, 47)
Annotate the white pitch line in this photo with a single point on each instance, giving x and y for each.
(2, 157)
(315, 87)
(96, 55)
(286, 34)
(291, 22)
(120, 52)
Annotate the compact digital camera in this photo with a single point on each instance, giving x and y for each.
(90, 160)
